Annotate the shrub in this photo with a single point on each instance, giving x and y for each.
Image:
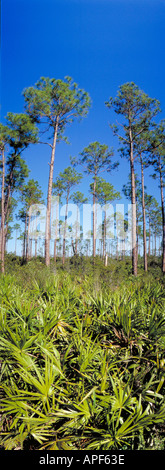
(81, 358)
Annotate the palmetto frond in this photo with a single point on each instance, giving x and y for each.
(80, 370)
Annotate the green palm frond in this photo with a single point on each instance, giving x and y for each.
(79, 368)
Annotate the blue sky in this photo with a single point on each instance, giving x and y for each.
(101, 44)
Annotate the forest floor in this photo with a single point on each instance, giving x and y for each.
(82, 355)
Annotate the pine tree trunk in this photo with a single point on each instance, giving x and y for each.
(48, 212)
(133, 200)
(104, 239)
(24, 241)
(0, 241)
(76, 231)
(31, 248)
(149, 241)
(16, 244)
(3, 216)
(27, 239)
(9, 189)
(137, 234)
(36, 239)
(144, 218)
(55, 249)
(66, 213)
(163, 215)
(117, 248)
(36, 248)
(94, 219)
(124, 248)
(56, 230)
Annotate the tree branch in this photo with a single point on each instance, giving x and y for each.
(45, 143)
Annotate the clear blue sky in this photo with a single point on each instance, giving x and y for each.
(101, 44)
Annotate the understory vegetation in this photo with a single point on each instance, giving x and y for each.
(82, 355)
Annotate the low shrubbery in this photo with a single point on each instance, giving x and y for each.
(81, 357)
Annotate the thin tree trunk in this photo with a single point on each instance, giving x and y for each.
(104, 239)
(24, 241)
(66, 213)
(149, 241)
(6, 200)
(48, 212)
(10, 183)
(16, 243)
(117, 248)
(124, 248)
(36, 248)
(27, 240)
(36, 238)
(160, 246)
(55, 241)
(133, 200)
(152, 244)
(3, 216)
(76, 231)
(137, 233)
(163, 215)
(56, 230)
(94, 219)
(144, 218)
(31, 248)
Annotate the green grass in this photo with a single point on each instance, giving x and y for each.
(82, 363)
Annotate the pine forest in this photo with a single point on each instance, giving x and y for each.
(82, 301)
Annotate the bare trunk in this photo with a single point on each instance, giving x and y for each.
(24, 241)
(31, 248)
(66, 213)
(137, 234)
(124, 248)
(16, 243)
(36, 238)
(56, 230)
(48, 212)
(163, 215)
(27, 239)
(106, 260)
(6, 199)
(76, 231)
(149, 241)
(144, 218)
(9, 188)
(94, 219)
(36, 248)
(3, 216)
(133, 200)
(55, 249)
(104, 238)
(117, 248)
